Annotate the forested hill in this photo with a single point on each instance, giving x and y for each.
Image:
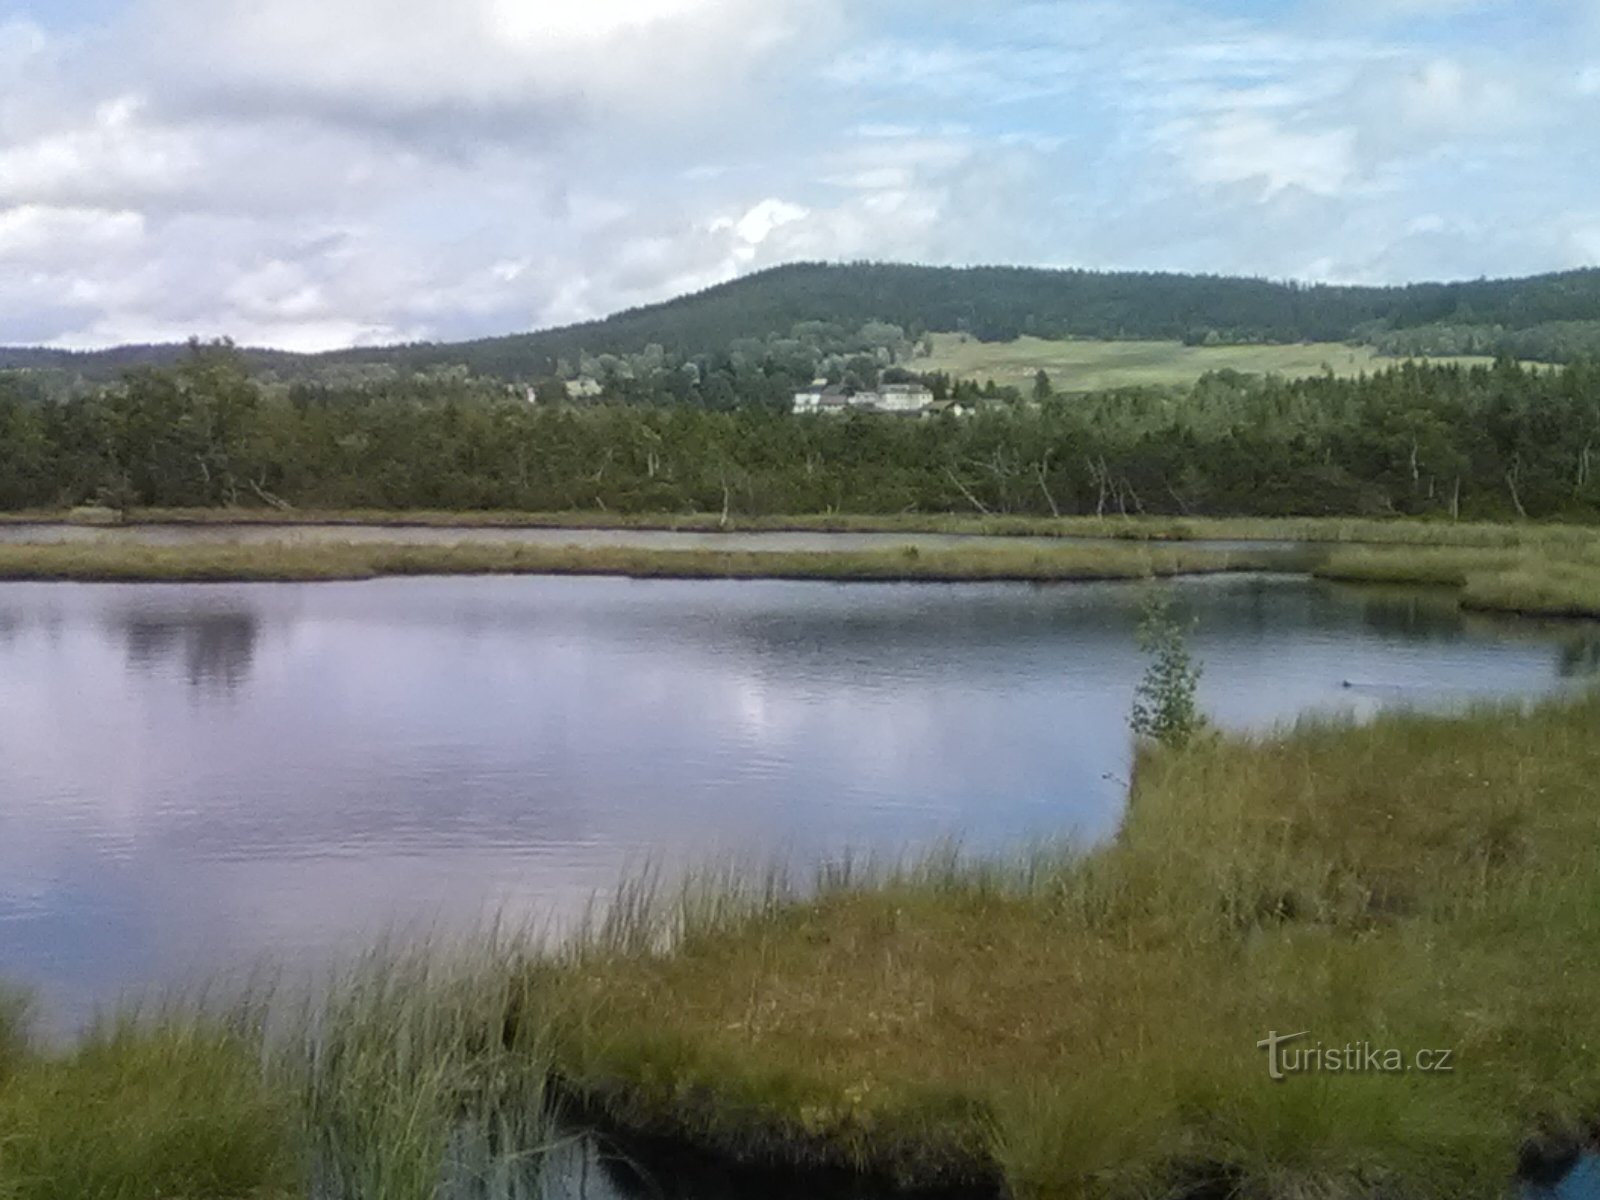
(1549, 316)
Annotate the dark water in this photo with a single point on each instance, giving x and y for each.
(644, 539)
(193, 777)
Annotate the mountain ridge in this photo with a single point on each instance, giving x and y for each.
(992, 303)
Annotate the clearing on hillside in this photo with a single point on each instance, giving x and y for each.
(1088, 366)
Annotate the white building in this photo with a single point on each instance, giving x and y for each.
(904, 398)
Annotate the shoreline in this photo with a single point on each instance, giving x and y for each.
(284, 563)
(1393, 531)
(1556, 577)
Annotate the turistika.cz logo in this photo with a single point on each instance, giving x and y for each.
(1288, 1054)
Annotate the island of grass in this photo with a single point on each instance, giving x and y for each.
(1549, 570)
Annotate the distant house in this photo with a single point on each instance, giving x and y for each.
(904, 398)
(809, 400)
(821, 397)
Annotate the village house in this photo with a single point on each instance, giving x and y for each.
(904, 398)
(822, 397)
(910, 399)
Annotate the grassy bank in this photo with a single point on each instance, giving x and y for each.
(1552, 582)
(1087, 1026)
(286, 562)
(400, 1082)
(1328, 530)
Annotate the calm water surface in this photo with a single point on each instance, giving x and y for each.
(195, 777)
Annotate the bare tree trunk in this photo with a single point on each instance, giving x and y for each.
(1455, 501)
(967, 492)
(269, 498)
(1511, 482)
(1097, 472)
(1041, 467)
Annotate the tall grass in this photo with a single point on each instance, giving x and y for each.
(413, 1074)
(417, 1072)
(167, 1107)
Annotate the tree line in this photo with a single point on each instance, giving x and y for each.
(1484, 442)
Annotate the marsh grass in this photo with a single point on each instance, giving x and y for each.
(416, 1073)
(1557, 580)
(288, 562)
(168, 1107)
(1085, 1024)
(416, 1070)
(1400, 531)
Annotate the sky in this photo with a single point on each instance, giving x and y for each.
(320, 173)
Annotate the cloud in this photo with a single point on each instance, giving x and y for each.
(312, 174)
(462, 69)
(1245, 148)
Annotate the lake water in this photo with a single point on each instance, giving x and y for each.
(197, 777)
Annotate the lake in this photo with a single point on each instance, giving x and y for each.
(201, 777)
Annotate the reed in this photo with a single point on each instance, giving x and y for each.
(419, 1071)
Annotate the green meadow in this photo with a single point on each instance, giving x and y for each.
(1088, 366)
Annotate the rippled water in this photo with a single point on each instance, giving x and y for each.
(200, 776)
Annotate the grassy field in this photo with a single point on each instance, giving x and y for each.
(1087, 366)
(1088, 1025)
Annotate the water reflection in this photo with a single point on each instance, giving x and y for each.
(1580, 656)
(591, 1166)
(193, 776)
(215, 648)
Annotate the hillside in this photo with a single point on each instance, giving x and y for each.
(1550, 316)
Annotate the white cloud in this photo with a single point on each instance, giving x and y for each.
(114, 155)
(1250, 149)
(33, 234)
(459, 67)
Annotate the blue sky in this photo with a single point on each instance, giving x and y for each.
(311, 174)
